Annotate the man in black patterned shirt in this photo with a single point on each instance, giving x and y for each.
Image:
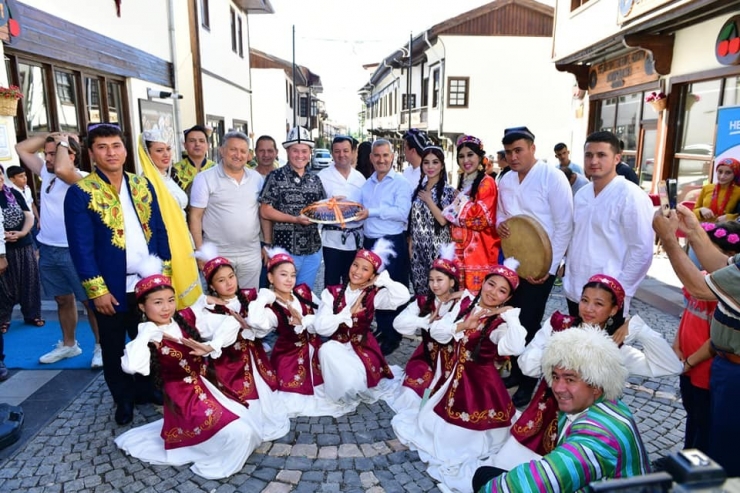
(287, 190)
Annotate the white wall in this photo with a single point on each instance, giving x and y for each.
(226, 101)
(587, 25)
(524, 89)
(216, 55)
(269, 119)
(693, 49)
(148, 16)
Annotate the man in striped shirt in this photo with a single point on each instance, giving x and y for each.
(597, 436)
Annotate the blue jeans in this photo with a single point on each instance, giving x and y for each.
(307, 266)
(724, 430)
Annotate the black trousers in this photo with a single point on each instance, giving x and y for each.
(696, 402)
(572, 308)
(483, 475)
(113, 331)
(532, 299)
(336, 265)
(398, 268)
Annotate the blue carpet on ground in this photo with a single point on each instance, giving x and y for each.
(24, 344)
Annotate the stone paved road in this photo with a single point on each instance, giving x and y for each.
(354, 453)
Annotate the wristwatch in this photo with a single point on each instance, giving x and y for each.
(63, 143)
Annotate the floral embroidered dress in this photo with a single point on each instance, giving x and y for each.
(474, 232)
(295, 355)
(201, 425)
(430, 363)
(354, 367)
(467, 420)
(425, 239)
(535, 433)
(244, 372)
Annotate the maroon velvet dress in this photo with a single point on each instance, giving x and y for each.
(291, 355)
(466, 402)
(236, 367)
(361, 337)
(422, 365)
(537, 427)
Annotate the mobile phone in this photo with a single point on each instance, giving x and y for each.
(665, 203)
(672, 188)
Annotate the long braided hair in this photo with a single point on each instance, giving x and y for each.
(283, 314)
(243, 301)
(481, 168)
(439, 187)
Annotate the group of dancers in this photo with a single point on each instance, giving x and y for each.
(223, 395)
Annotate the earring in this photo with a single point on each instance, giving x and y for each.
(609, 322)
(460, 171)
(480, 167)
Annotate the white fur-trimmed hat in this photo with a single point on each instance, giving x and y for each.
(589, 351)
(298, 135)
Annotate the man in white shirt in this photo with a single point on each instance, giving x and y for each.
(225, 211)
(58, 275)
(340, 244)
(541, 191)
(414, 142)
(612, 232)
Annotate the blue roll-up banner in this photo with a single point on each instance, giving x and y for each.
(728, 134)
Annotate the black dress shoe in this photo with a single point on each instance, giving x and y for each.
(388, 347)
(124, 413)
(522, 396)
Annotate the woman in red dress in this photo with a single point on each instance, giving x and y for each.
(467, 420)
(200, 425)
(473, 215)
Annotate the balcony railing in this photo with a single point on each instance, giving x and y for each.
(418, 116)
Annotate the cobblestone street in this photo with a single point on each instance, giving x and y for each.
(355, 453)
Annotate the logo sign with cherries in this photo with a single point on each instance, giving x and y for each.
(727, 48)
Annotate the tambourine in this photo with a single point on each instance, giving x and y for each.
(529, 243)
(332, 211)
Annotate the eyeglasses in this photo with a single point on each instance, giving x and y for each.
(51, 184)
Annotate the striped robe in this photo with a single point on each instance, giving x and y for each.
(602, 443)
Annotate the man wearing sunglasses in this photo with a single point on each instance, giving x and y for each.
(58, 275)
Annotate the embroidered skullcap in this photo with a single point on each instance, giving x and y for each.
(446, 261)
(515, 133)
(614, 286)
(469, 139)
(380, 254)
(508, 272)
(417, 139)
(298, 135)
(278, 256)
(208, 252)
(150, 270)
(591, 353)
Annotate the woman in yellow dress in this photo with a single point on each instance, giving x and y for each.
(717, 201)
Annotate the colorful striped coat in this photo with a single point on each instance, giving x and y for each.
(602, 443)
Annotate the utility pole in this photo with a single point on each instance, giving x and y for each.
(295, 90)
(408, 80)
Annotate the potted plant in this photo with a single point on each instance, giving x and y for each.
(9, 97)
(658, 100)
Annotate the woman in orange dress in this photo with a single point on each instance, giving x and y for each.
(473, 215)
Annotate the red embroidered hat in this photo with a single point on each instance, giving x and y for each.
(374, 260)
(212, 266)
(147, 284)
(446, 261)
(613, 285)
(278, 256)
(508, 272)
(469, 139)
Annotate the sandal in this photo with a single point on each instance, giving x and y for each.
(36, 322)
(4, 327)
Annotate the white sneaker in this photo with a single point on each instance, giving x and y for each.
(61, 352)
(97, 361)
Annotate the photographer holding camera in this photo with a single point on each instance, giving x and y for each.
(597, 438)
(723, 285)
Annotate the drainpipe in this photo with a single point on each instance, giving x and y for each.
(175, 85)
(251, 105)
(441, 76)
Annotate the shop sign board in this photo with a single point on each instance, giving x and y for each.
(630, 69)
(728, 134)
(629, 9)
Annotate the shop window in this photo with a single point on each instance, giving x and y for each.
(217, 126)
(92, 100)
(731, 96)
(457, 92)
(66, 92)
(628, 119)
(32, 80)
(115, 104)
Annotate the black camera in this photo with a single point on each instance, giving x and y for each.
(687, 470)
